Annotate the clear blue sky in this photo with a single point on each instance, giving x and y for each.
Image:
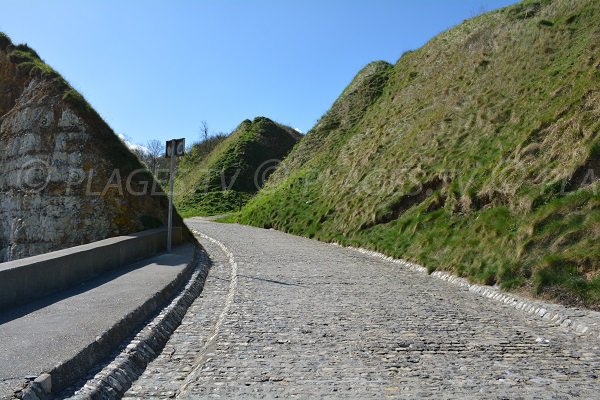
(156, 69)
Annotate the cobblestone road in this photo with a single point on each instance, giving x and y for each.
(306, 319)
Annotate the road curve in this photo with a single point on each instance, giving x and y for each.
(308, 319)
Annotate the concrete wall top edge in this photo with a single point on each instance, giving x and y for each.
(81, 248)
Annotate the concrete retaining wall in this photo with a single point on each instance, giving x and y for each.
(29, 278)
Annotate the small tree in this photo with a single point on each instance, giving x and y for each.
(204, 131)
(154, 154)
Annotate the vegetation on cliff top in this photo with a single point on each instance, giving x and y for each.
(478, 153)
(19, 65)
(225, 178)
(30, 64)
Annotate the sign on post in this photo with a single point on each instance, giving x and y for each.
(176, 146)
(179, 147)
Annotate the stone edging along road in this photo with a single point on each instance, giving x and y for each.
(578, 321)
(184, 390)
(113, 380)
(115, 376)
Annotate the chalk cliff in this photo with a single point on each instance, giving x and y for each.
(65, 177)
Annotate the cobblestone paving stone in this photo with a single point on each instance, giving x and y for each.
(313, 320)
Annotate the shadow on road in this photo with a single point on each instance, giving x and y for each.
(269, 280)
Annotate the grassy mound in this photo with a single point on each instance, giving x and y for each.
(227, 177)
(478, 153)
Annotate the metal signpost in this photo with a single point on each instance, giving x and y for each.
(174, 148)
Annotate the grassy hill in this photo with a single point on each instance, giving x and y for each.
(478, 153)
(227, 177)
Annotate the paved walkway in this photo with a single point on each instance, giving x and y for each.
(282, 316)
(37, 336)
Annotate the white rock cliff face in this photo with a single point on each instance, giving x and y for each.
(58, 188)
(39, 138)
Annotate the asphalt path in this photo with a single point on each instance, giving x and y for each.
(37, 336)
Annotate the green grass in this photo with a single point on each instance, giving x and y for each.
(214, 203)
(229, 219)
(224, 179)
(201, 150)
(464, 156)
(29, 62)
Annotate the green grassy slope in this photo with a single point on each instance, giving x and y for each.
(234, 171)
(478, 153)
